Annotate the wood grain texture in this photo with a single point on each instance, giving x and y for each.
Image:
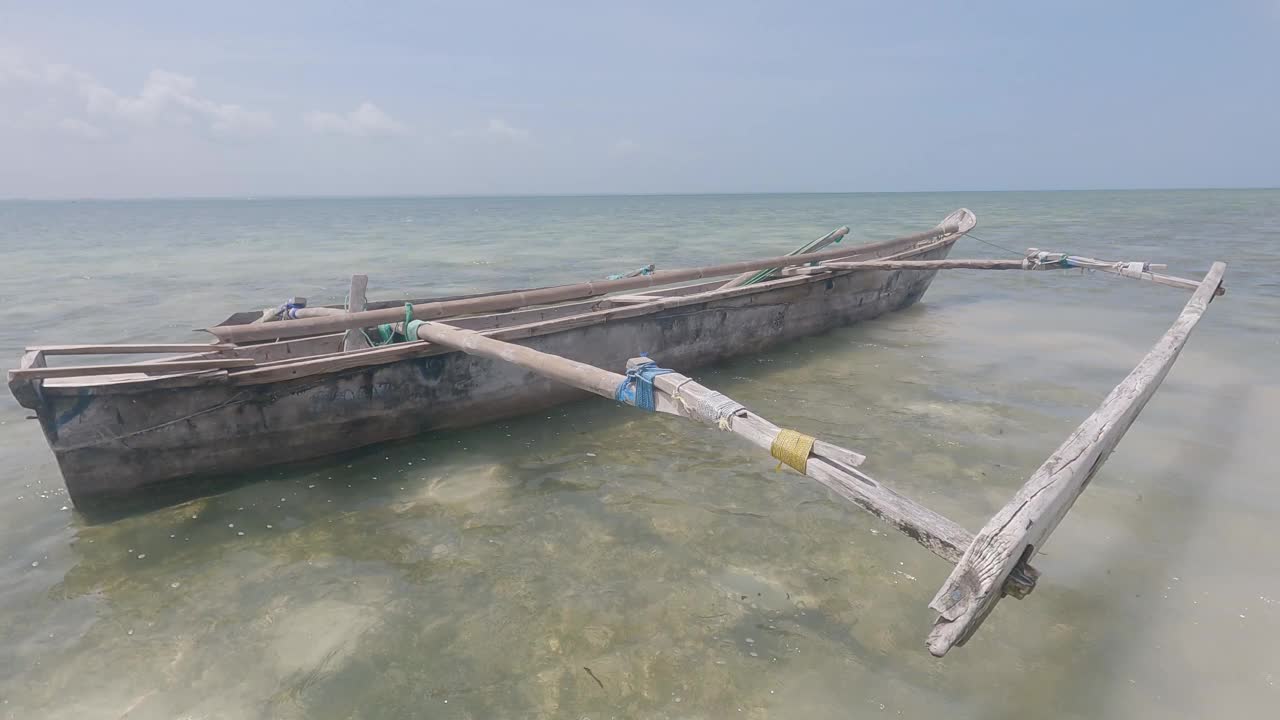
(1020, 529)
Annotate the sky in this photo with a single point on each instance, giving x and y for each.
(230, 98)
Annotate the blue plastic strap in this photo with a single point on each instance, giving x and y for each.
(637, 387)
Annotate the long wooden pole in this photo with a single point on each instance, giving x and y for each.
(1020, 529)
(807, 249)
(830, 465)
(960, 221)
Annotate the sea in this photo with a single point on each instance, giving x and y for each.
(597, 562)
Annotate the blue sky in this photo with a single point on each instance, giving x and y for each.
(145, 99)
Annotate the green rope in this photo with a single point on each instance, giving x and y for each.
(387, 334)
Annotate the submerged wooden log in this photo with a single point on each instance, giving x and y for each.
(1020, 529)
(958, 222)
(151, 368)
(830, 465)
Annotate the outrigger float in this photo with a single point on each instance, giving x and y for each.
(294, 382)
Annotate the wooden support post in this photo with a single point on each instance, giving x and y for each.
(1020, 529)
(354, 339)
(830, 465)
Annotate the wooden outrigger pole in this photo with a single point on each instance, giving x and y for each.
(989, 565)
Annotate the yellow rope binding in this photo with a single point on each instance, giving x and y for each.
(792, 448)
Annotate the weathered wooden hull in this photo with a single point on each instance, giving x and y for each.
(111, 445)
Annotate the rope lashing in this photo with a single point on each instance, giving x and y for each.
(713, 409)
(408, 330)
(637, 387)
(792, 448)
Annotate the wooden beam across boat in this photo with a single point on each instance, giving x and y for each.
(958, 222)
(830, 465)
(1020, 529)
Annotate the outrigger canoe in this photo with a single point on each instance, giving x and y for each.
(279, 400)
(295, 383)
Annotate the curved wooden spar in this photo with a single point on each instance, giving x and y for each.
(1020, 529)
(958, 222)
(830, 465)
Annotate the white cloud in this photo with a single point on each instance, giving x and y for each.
(80, 129)
(368, 120)
(496, 129)
(166, 99)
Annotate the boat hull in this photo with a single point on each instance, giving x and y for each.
(114, 446)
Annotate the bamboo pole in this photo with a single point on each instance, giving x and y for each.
(830, 465)
(930, 265)
(807, 248)
(958, 222)
(1020, 529)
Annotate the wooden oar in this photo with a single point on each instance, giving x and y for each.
(830, 465)
(1021, 528)
(958, 222)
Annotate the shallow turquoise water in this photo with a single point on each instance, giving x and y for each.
(476, 574)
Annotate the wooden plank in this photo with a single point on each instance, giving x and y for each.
(128, 383)
(154, 368)
(810, 247)
(631, 299)
(1020, 529)
(958, 222)
(129, 348)
(357, 300)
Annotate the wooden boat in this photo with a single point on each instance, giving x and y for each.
(274, 392)
(296, 399)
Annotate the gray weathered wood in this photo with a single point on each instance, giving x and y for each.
(152, 368)
(1020, 529)
(928, 265)
(953, 225)
(27, 391)
(126, 349)
(354, 339)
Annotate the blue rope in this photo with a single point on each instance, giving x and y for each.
(646, 270)
(637, 387)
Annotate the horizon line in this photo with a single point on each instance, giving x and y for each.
(496, 196)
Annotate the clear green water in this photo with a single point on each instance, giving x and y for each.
(476, 574)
